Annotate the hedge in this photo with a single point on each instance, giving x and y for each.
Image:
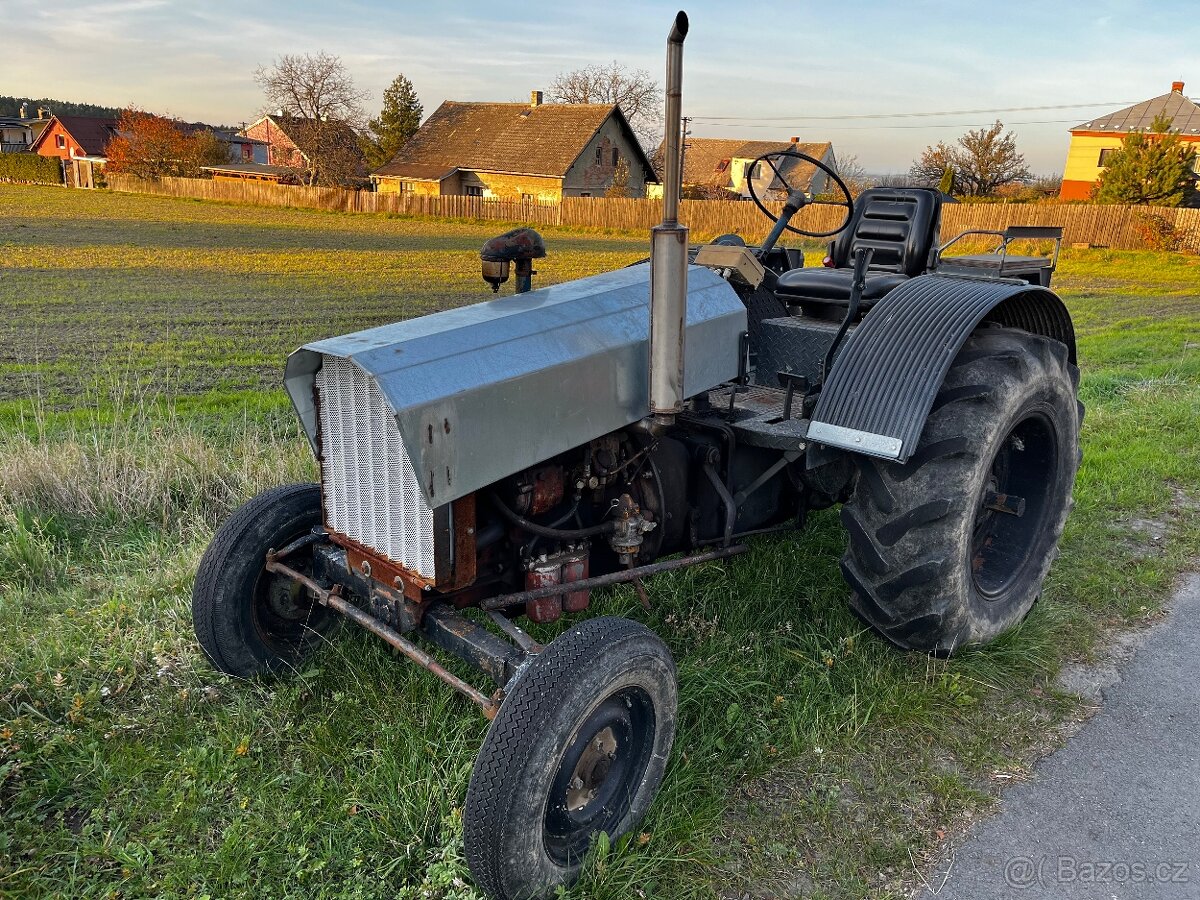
(30, 168)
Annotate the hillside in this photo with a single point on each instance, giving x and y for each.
(11, 106)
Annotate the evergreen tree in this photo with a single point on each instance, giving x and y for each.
(1153, 167)
(397, 122)
(946, 185)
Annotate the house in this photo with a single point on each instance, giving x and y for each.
(1093, 142)
(81, 143)
(15, 136)
(242, 148)
(281, 134)
(720, 165)
(516, 151)
(35, 123)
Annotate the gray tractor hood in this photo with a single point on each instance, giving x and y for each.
(488, 390)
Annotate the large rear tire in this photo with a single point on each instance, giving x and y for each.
(579, 746)
(933, 562)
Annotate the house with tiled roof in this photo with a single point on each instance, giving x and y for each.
(281, 137)
(81, 142)
(1094, 141)
(516, 151)
(723, 165)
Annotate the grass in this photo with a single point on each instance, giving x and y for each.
(142, 342)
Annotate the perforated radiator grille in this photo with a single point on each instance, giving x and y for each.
(370, 488)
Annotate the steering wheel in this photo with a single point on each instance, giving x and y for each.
(770, 160)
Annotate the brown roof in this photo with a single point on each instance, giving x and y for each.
(417, 171)
(514, 138)
(706, 160)
(1183, 112)
(92, 135)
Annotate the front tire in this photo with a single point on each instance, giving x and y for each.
(248, 620)
(579, 746)
(933, 562)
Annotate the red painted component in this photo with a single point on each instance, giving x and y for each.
(545, 609)
(539, 490)
(575, 568)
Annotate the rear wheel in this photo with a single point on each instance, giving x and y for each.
(952, 547)
(578, 747)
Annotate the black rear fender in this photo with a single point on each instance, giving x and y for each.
(882, 386)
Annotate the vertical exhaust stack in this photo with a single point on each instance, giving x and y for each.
(669, 252)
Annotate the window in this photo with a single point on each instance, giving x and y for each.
(1105, 155)
(585, 193)
(527, 198)
(616, 156)
(473, 190)
(599, 156)
(247, 152)
(406, 187)
(60, 141)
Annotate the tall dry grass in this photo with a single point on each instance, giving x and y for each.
(133, 465)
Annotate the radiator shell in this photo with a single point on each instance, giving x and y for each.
(368, 485)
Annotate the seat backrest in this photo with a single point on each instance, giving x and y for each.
(900, 224)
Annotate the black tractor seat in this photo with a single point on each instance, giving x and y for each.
(899, 224)
(833, 285)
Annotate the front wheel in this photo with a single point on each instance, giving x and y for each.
(578, 747)
(951, 548)
(248, 620)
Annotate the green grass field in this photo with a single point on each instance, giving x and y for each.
(141, 345)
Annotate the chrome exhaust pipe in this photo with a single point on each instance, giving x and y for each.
(669, 252)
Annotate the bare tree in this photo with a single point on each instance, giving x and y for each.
(318, 95)
(620, 182)
(988, 159)
(639, 95)
(853, 174)
(930, 167)
(983, 160)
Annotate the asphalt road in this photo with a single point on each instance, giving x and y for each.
(1116, 812)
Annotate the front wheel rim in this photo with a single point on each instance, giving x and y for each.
(281, 610)
(599, 774)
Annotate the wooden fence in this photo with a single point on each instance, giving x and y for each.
(1105, 226)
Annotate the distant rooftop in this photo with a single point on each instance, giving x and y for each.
(1183, 112)
(250, 169)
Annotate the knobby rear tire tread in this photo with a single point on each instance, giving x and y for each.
(905, 523)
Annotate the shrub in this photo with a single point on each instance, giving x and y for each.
(1158, 232)
(30, 168)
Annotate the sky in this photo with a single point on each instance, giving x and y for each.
(837, 71)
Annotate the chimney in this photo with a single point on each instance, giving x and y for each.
(24, 110)
(795, 140)
(1177, 87)
(535, 99)
(43, 113)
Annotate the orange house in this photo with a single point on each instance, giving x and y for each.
(1093, 142)
(81, 142)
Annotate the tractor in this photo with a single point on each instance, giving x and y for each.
(508, 458)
